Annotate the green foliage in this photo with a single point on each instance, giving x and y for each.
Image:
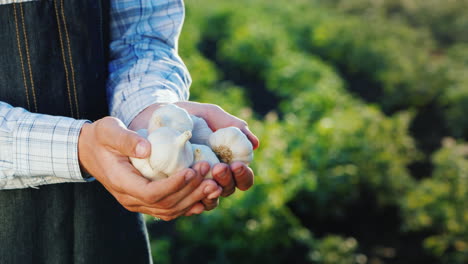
(411, 67)
(360, 149)
(254, 215)
(308, 86)
(455, 100)
(440, 204)
(337, 250)
(160, 249)
(445, 19)
(389, 56)
(312, 81)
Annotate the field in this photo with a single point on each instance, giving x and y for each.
(362, 112)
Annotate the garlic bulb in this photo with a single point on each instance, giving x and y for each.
(172, 116)
(230, 144)
(201, 131)
(143, 165)
(204, 153)
(171, 151)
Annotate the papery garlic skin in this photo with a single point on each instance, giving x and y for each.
(171, 151)
(172, 116)
(143, 165)
(204, 153)
(231, 145)
(201, 131)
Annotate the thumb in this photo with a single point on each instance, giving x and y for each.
(123, 140)
(131, 144)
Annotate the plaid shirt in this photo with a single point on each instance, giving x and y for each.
(37, 149)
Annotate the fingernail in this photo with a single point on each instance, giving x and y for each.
(205, 169)
(189, 175)
(140, 150)
(223, 173)
(208, 190)
(214, 195)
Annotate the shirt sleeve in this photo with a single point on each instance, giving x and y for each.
(145, 67)
(37, 149)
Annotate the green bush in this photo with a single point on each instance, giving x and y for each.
(445, 19)
(455, 99)
(439, 204)
(325, 151)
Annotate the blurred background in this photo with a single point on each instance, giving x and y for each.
(361, 107)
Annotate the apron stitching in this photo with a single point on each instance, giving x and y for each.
(28, 57)
(70, 58)
(63, 57)
(21, 56)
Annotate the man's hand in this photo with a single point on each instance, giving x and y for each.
(227, 176)
(103, 150)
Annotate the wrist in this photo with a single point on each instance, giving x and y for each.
(83, 142)
(141, 120)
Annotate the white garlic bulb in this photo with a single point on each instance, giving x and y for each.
(172, 116)
(230, 144)
(201, 131)
(204, 153)
(143, 165)
(171, 151)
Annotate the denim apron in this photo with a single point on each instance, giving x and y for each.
(53, 60)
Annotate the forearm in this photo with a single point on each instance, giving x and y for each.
(145, 67)
(37, 149)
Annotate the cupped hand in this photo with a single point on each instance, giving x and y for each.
(227, 176)
(103, 150)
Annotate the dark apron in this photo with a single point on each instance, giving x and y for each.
(53, 60)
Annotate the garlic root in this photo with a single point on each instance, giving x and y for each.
(231, 145)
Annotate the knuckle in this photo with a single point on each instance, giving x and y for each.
(103, 123)
(241, 123)
(109, 120)
(214, 107)
(150, 198)
(116, 186)
(166, 204)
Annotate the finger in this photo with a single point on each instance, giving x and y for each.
(243, 175)
(222, 175)
(210, 204)
(205, 189)
(202, 168)
(212, 201)
(253, 139)
(113, 133)
(162, 214)
(197, 208)
(172, 200)
(147, 191)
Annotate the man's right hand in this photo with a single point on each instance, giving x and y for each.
(103, 150)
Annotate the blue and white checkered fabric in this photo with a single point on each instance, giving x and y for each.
(145, 68)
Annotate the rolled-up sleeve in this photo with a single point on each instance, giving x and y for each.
(145, 67)
(37, 149)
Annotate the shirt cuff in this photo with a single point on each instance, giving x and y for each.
(48, 146)
(137, 102)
